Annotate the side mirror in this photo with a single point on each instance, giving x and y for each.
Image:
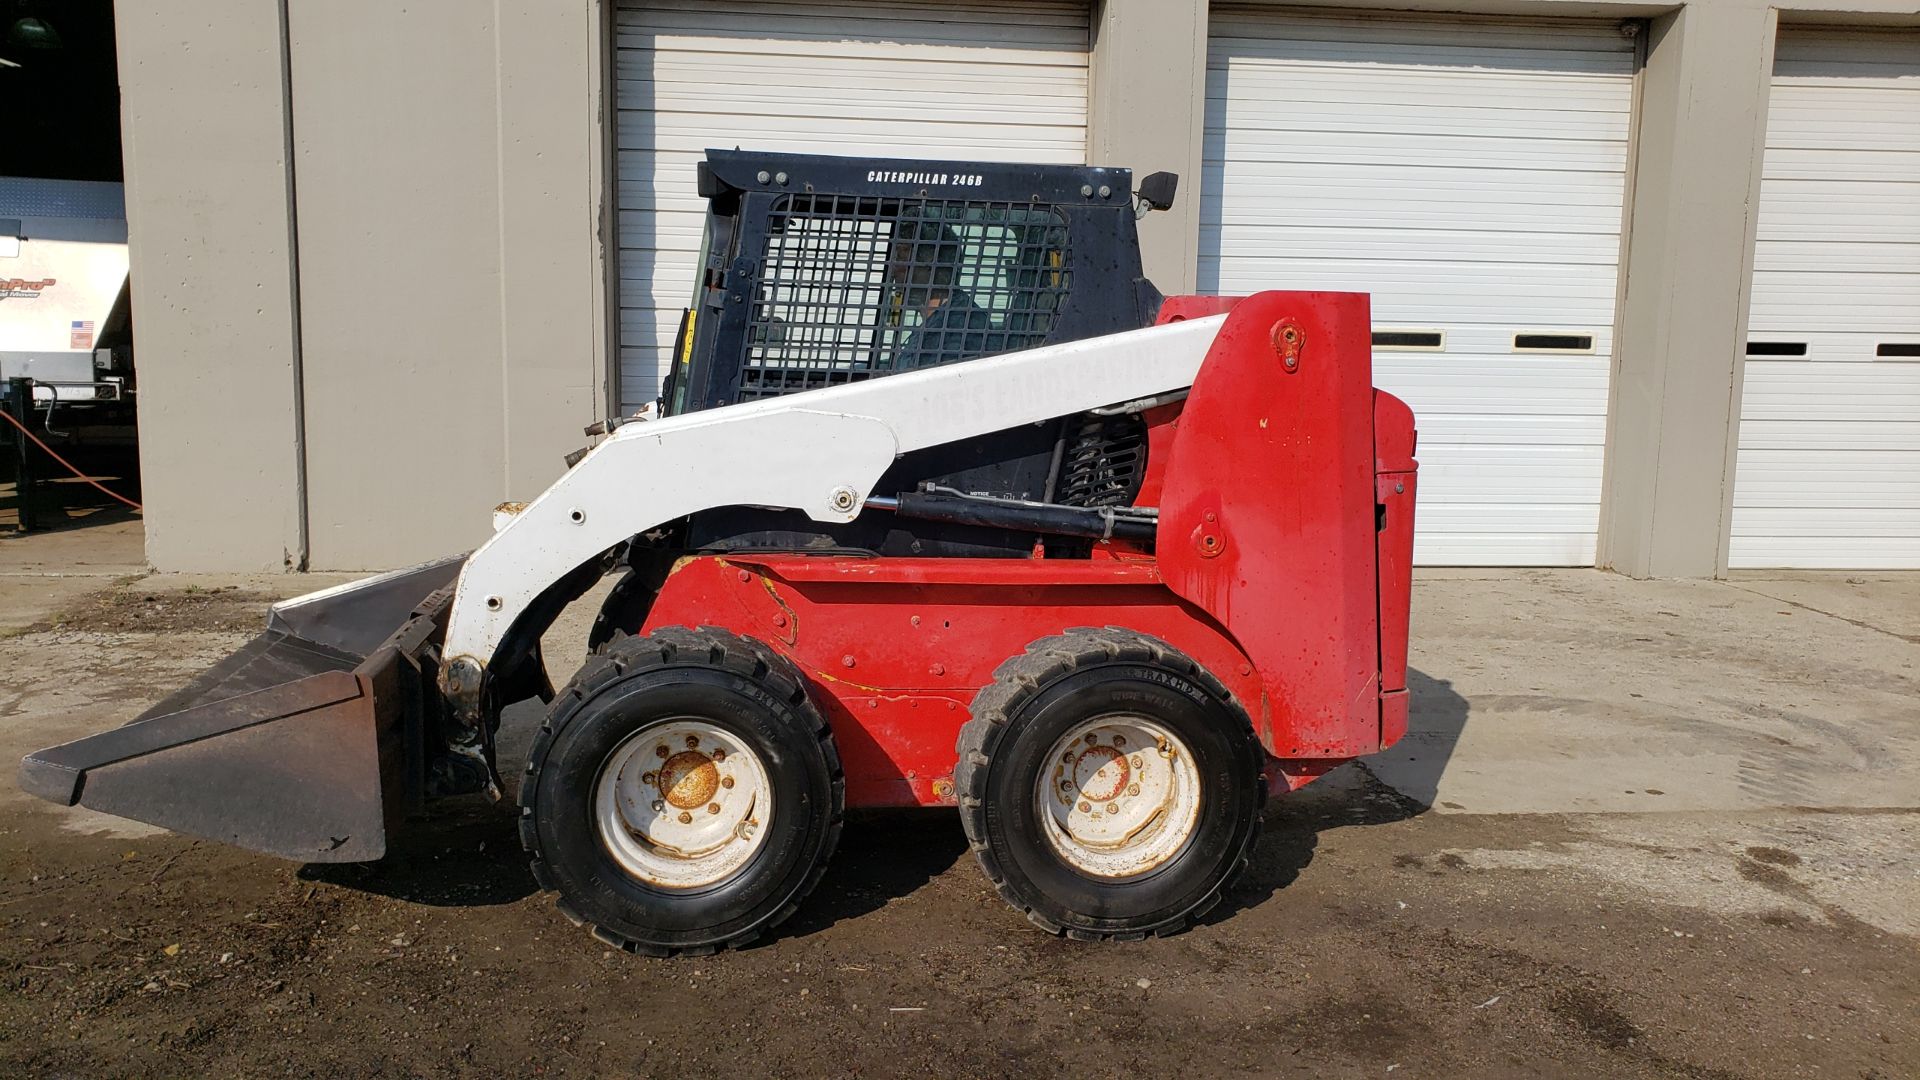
(1156, 189)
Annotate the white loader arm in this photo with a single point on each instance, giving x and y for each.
(819, 452)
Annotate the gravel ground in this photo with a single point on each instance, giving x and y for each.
(1766, 933)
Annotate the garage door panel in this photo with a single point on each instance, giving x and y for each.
(931, 137)
(1832, 479)
(1587, 196)
(1438, 427)
(1828, 471)
(1493, 535)
(684, 113)
(1418, 245)
(1854, 525)
(1881, 256)
(1397, 148)
(988, 81)
(1829, 553)
(1476, 386)
(1861, 211)
(1402, 295)
(1388, 219)
(1900, 436)
(1469, 174)
(1793, 163)
(1395, 119)
(1839, 301)
(1459, 548)
(1843, 345)
(1554, 285)
(964, 26)
(1435, 96)
(1503, 44)
(1502, 474)
(1849, 389)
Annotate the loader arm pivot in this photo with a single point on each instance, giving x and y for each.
(819, 453)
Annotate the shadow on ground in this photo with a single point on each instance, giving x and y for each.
(468, 853)
(1354, 795)
(62, 501)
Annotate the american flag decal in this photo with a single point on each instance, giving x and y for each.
(82, 335)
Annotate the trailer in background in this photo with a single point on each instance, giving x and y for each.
(66, 332)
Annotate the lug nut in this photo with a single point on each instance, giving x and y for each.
(646, 778)
(686, 818)
(1137, 763)
(1113, 808)
(1119, 740)
(693, 742)
(713, 808)
(660, 751)
(719, 754)
(726, 781)
(1133, 789)
(1092, 739)
(1085, 808)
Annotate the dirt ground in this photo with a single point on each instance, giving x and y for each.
(1640, 830)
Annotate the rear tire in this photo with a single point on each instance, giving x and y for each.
(684, 795)
(1109, 787)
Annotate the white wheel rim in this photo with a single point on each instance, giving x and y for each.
(683, 804)
(1119, 797)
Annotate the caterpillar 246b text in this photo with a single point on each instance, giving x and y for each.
(943, 505)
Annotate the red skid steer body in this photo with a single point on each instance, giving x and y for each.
(1100, 588)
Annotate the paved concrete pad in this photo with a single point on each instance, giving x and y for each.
(110, 549)
(1886, 602)
(1572, 691)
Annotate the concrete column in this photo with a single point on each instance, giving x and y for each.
(1147, 111)
(1673, 420)
(449, 216)
(554, 213)
(204, 126)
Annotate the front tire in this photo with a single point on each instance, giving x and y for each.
(1109, 787)
(684, 794)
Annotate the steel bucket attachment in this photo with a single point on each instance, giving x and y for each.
(306, 743)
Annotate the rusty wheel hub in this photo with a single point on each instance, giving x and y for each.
(1120, 798)
(683, 804)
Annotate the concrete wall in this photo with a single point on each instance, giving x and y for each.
(1674, 413)
(423, 291)
(203, 125)
(1146, 109)
(440, 326)
(445, 158)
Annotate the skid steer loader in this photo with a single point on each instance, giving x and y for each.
(944, 505)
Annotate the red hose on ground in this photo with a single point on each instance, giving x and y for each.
(36, 441)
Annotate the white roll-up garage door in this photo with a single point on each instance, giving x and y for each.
(1470, 174)
(1829, 463)
(980, 80)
